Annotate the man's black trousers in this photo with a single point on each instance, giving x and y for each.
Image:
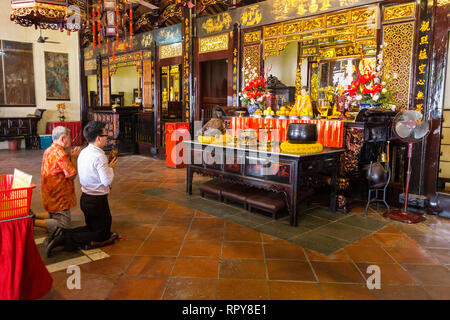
(98, 223)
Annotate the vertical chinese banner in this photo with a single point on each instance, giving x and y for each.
(187, 64)
(236, 33)
(422, 64)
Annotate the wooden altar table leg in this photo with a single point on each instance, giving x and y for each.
(333, 194)
(189, 177)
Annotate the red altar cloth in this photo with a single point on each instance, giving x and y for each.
(23, 275)
(75, 129)
(330, 132)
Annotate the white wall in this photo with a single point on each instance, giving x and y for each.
(68, 44)
(283, 65)
(125, 80)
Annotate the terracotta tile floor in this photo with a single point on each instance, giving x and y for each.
(174, 252)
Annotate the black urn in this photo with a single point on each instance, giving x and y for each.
(302, 133)
(376, 175)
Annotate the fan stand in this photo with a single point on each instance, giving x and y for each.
(405, 215)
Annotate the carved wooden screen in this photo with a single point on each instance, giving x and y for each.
(147, 79)
(105, 86)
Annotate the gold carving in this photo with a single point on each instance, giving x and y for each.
(398, 58)
(399, 11)
(363, 15)
(170, 50)
(294, 27)
(147, 40)
(309, 51)
(365, 31)
(90, 64)
(217, 24)
(270, 45)
(274, 30)
(214, 43)
(252, 63)
(250, 37)
(251, 15)
(312, 24)
(337, 19)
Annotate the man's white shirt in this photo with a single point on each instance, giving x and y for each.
(94, 172)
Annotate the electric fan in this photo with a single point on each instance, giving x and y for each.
(410, 127)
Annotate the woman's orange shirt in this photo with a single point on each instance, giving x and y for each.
(57, 190)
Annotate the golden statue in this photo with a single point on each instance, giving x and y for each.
(303, 105)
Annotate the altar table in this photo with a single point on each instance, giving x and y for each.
(265, 168)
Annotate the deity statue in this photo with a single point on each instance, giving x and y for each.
(303, 105)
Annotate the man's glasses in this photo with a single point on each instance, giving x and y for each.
(102, 135)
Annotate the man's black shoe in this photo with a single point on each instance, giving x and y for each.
(57, 241)
(52, 235)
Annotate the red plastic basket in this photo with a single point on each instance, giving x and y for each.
(14, 203)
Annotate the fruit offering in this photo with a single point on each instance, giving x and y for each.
(269, 112)
(282, 112)
(301, 148)
(206, 139)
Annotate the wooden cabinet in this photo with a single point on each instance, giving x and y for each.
(18, 127)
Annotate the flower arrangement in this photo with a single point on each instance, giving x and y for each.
(256, 92)
(369, 86)
(61, 107)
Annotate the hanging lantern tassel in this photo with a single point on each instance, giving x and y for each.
(117, 23)
(131, 27)
(114, 52)
(107, 45)
(93, 27)
(98, 14)
(68, 32)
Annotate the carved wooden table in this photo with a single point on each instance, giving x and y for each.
(268, 169)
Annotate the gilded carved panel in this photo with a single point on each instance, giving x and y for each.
(363, 15)
(250, 37)
(252, 63)
(313, 24)
(365, 31)
(170, 50)
(293, 27)
(214, 43)
(403, 11)
(398, 58)
(272, 31)
(221, 22)
(337, 19)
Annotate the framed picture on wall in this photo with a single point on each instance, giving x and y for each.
(57, 76)
(16, 74)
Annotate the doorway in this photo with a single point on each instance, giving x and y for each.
(213, 87)
(170, 97)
